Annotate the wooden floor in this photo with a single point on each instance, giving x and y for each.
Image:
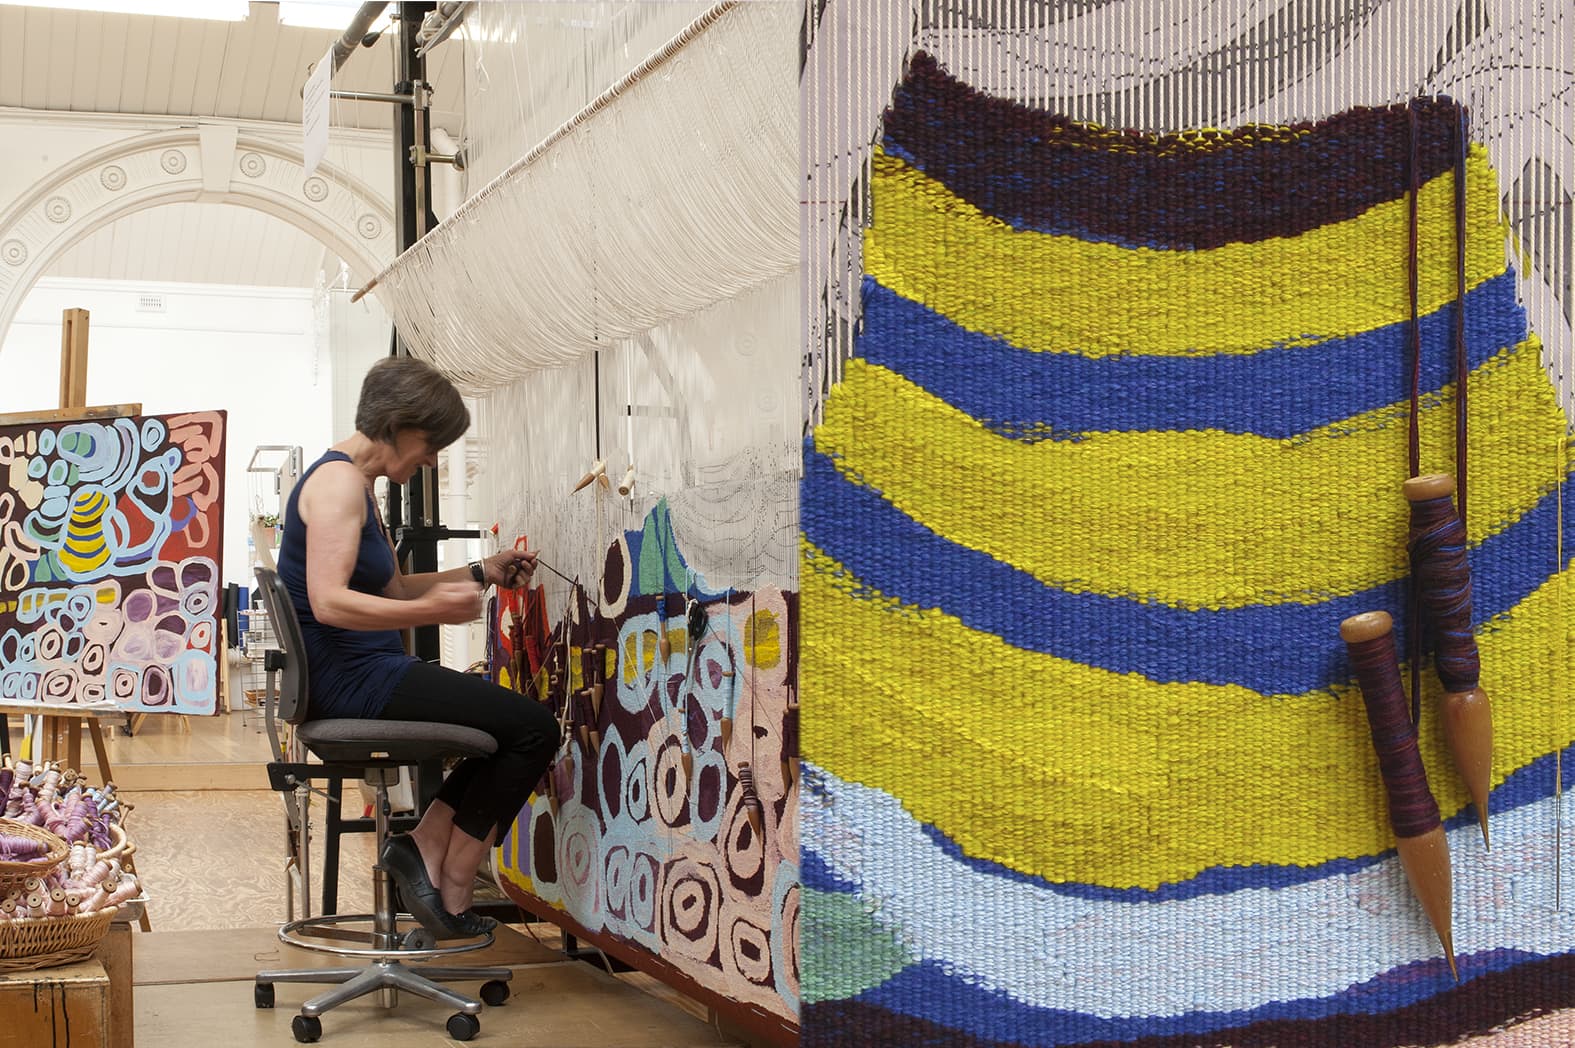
(238, 737)
(195, 988)
(211, 857)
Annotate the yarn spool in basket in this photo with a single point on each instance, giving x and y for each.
(48, 942)
(14, 874)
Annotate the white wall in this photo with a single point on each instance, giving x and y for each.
(247, 351)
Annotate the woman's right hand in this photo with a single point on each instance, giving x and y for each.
(454, 603)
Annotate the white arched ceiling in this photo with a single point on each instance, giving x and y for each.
(172, 167)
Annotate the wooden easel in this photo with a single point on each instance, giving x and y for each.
(73, 405)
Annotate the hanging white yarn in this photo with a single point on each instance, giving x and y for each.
(674, 190)
(703, 407)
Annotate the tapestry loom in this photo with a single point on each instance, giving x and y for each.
(1119, 443)
(110, 562)
(656, 350)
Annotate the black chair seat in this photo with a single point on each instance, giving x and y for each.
(400, 742)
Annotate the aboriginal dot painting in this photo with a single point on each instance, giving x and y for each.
(110, 562)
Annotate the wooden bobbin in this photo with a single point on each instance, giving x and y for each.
(1468, 730)
(598, 469)
(727, 734)
(1425, 860)
(1468, 715)
(1429, 486)
(1369, 625)
(1425, 857)
(749, 798)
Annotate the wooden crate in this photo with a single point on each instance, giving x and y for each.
(115, 953)
(65, 1007)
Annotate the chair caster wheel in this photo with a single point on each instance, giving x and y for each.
(418, 939)
(262, 995)
(463, 1027)
(307, 1028)
(494, 992)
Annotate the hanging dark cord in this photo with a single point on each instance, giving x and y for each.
(1413, 618)
(1463, 146)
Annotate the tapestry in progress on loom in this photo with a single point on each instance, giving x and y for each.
(620, 839)
(1121, 446)
(110, 558)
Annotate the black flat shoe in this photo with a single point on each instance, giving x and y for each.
(402, 859)
(475, 924)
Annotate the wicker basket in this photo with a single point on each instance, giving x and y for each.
(48, 942)
(13, 874)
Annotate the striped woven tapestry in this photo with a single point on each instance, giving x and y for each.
(1121, 445)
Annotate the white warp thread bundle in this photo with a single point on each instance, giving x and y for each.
(672, 193)
(702, 404)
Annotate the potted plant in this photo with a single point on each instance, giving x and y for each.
(268, 523)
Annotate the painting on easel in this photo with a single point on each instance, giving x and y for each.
(110, 562)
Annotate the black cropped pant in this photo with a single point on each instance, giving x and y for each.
(486, 793)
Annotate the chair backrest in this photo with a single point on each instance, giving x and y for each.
(287, 631)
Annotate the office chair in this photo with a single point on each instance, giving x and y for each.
(372, 751)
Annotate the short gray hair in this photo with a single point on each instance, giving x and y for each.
(406, 393)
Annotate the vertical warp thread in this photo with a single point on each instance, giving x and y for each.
(1412, 810)
(1413, 434)
(1442, 576)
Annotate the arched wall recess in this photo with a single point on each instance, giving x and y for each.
(168, 167)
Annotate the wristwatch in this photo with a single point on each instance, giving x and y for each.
(478, 572)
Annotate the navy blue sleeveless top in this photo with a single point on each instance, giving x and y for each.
(352, 672)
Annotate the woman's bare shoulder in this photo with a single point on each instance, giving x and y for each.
(336, 488)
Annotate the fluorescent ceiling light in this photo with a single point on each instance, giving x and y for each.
(214, 10)
(326, 14)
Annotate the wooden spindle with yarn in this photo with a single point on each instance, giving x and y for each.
(1419, 832)
(1443, 579)
(598, 470)
(790, 743)
(749, 798)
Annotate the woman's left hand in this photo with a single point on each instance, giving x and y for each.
(510, 568)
